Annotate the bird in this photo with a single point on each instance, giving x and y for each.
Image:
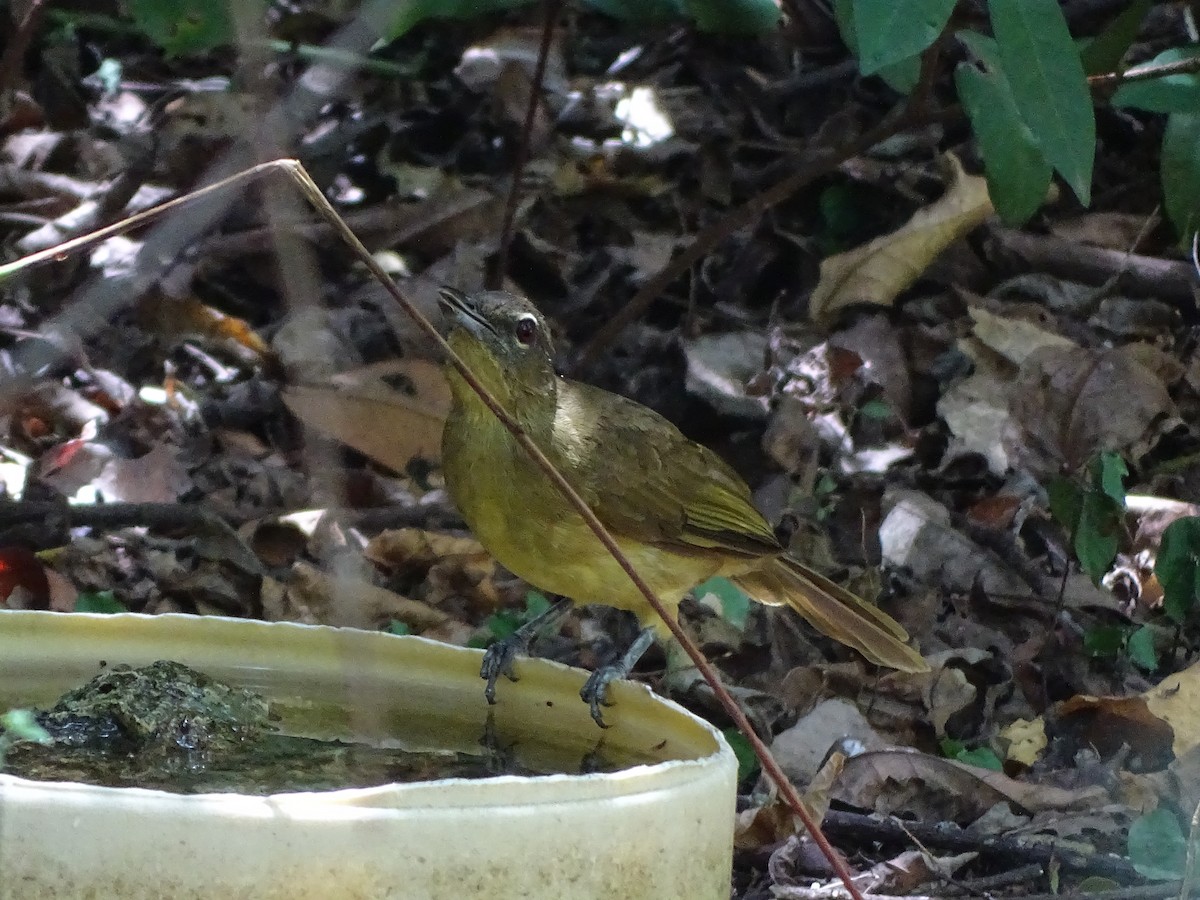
(679, 513)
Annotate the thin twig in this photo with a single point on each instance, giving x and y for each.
(309, 189)
(772, 768)
(495, 278)
(1146, 72)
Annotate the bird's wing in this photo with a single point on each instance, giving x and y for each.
(648, 482)
(834, 611)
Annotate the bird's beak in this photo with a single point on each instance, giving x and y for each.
(461, 312)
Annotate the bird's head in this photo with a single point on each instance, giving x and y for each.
(504, 340)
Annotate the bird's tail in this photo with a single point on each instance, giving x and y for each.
(833, 611)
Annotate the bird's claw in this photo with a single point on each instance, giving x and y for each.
(500, 659)
(595, 690)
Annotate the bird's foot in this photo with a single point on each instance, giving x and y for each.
(501, 657)
(595, 690)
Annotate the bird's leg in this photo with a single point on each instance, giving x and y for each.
(595, 689)
(500, 657)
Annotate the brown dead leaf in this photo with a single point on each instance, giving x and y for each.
(457, 566)
(877, 272)
(155, 477)
(773, 821)
(945, 790)
(312, 596)
(1014, 339)
(1107, 724)
(390, 426)
(1068, 403)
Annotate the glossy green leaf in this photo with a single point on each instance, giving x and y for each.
(181, 27)
(1157, 846)
(981, 757)
(1105, 51)
(900, 76)
(746, 759)
(1170, 94)
(1109, 471)
(412, 12)
(1048, 85)
(1141, 649)
(733, 16)
(1096, 537)
(1180, 172)
(639, 10)
(99, 602)
(1018, 175)
(1104, 641)
(890, 32)
(734, 603)
(1177, 566)
(1066, 502)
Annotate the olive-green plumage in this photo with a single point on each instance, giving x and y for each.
(677, 510)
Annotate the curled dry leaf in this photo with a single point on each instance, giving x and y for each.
(391, 426)
(877, 272)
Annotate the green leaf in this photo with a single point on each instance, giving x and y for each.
(1180, 172)
(1104, 641)
(1157, 846)
(502, 624)
(99, 602)
(397, 627)
(639, 11)
(876, 409)
(184, 26)
(746, 760)
(1170, 94)
(1066, 502)
(842, 210)
(901, 76)
(733, 16)
(951, 747)
(734, 603)
(1177, 566)
(1018, 175)
(1141, 649)
(890, 32)
(412, 12)
(1096, 537)
(983, 757)
(1049, 87)
(1110, 470)
(1105, 51)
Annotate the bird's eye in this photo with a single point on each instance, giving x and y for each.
(525, 330)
